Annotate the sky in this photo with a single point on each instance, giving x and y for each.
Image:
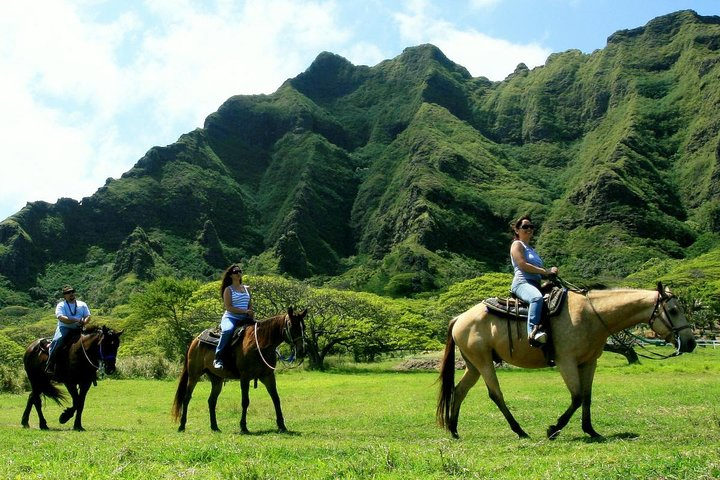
(87, 87)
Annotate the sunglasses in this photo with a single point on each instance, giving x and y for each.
(238, 272)
(71, 292)
(527, 226)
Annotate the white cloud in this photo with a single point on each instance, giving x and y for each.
(83, 98)
(88, 86)
(481, 54)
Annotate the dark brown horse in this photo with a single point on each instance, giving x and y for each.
(579, 335)
(94, 349)
(253, 359)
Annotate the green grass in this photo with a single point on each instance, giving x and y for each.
(661, 420)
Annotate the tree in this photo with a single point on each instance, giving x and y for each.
(167, 302)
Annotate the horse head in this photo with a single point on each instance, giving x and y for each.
(673, 325)
(295, 330)
(109, 347)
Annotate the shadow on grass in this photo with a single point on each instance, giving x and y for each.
(259, 433)
(610, 438)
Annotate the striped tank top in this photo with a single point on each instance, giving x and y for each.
(240, 299)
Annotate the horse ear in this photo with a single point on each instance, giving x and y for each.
(303, 313)
(119, 332)
(290, 311)
(661, 290)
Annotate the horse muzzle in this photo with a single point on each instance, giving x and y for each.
(109, 368)
(685, 340)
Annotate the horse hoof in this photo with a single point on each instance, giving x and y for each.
(79, 429)
(282, 430)
(66, 415)
(245, 431)
(552, 433)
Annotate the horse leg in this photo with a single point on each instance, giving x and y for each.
(68, 413)
(469, 378)
(191, 382)
(34, 400)
(28, 408)
(80, 406)
(587, 374)
(493, 386)
(271, 387)
(571, 376)
(245, 387)
(217, 384)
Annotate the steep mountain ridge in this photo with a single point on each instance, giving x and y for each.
(403, 177)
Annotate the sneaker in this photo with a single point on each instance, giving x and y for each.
(539, 337)
(218, 364)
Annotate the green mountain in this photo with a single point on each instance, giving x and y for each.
(403, 177)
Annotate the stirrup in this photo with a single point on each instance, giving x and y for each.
(537, 337)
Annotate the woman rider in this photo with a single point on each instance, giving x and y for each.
(529, 270)
(238, 309)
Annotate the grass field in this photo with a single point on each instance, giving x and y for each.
(661, 420)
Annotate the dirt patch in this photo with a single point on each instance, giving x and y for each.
(425, 364)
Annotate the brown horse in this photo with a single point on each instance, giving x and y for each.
(254, 358)
(579, 334)
(94, 349)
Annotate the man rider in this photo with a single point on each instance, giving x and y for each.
(72, 315)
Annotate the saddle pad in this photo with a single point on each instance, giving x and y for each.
(517, 309)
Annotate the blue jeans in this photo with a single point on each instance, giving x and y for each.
(227, 325)
(530, 294)
(59, 338)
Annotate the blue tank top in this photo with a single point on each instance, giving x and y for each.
(531, 257)
(239, 299)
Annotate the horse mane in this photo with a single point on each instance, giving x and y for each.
(266, 328)
(92, 329)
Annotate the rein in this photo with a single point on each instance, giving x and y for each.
(100, 365)
(287, 337)
(659, 302)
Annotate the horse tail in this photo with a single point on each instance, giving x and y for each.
(39, 382)
(447, 380)
(182, 387)
(53, 392)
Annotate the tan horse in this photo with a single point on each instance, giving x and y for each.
(579, 334)
(253, 359)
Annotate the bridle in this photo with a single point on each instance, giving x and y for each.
(660, 301)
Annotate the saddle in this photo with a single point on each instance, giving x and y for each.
(211, 336)
(516, 309)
